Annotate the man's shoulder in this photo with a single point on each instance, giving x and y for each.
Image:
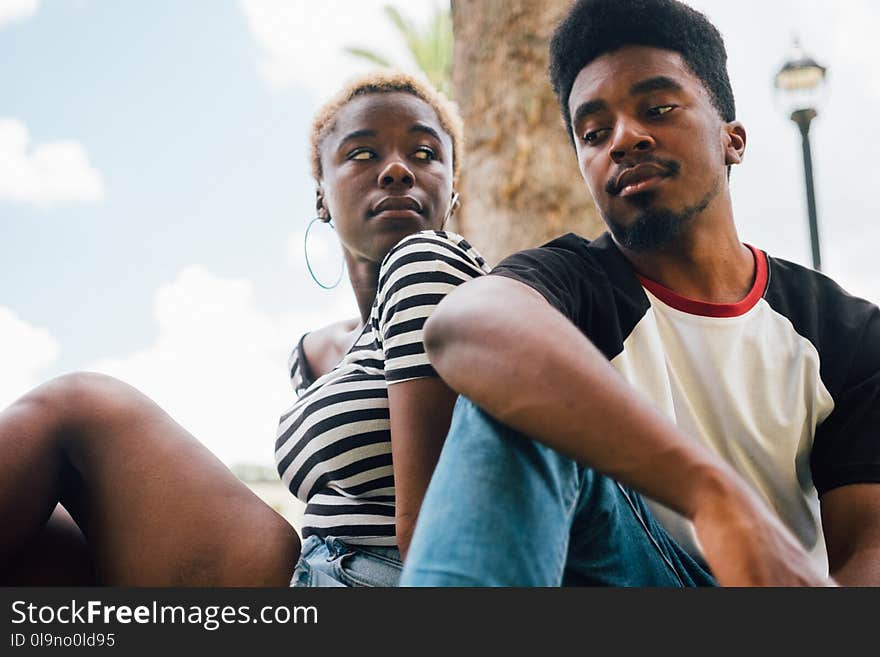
(808, 290)
(578, 244)
(571, 249)
(589, 281)
(840, 325)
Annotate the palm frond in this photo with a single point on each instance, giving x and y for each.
(430, 46)
(369, 55)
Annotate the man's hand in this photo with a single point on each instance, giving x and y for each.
(746, 545)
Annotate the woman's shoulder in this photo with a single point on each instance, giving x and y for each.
(327, 336)
(419, 271)
(431, 246)
(318, 351)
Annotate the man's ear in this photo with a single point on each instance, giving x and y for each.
(323, 212)
(735, 144)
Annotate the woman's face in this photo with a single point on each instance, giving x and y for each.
(387, 172)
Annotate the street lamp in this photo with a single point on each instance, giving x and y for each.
(800, 83)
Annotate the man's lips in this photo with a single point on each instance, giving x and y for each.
(639, 178)
(396, 204)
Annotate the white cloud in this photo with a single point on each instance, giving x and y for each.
(302, 42)
(25, 351)
(218, 364)
(16, 10)
(45, 175)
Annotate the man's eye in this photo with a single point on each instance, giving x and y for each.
(593, 136)
(361, 154)
(660, 110)
(425, 153)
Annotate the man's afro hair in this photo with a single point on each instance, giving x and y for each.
(595, 27)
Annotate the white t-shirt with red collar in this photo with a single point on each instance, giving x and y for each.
(784, 385)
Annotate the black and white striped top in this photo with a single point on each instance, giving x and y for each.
(333, 447)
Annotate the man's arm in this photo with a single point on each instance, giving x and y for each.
(499, 343)
(851, 523)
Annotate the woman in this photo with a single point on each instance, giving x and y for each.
(156, 508)
(361, 441)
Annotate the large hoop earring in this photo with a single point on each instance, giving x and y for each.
(309, 265)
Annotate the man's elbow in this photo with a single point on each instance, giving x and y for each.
(444, 332)
(468, 321)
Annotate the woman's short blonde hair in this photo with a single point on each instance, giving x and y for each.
(387, 81)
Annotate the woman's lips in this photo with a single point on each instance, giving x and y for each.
(402, 206)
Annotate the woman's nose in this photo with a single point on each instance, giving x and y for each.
(396, 174)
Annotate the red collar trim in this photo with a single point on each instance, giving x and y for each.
(694, 307)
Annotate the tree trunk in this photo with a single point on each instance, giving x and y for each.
(520, 181)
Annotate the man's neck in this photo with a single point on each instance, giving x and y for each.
(704, 264)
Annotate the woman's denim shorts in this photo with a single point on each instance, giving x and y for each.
(332, 562)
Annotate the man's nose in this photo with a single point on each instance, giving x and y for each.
(630, 137)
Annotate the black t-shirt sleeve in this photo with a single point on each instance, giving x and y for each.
(590, 283)
(559, 275)
(846, 448)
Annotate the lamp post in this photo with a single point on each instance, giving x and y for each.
(800, 82)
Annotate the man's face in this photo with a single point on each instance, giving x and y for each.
(651, 146)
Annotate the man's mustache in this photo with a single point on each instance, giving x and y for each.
(671, 166)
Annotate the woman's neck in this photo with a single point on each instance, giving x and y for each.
(364, 278)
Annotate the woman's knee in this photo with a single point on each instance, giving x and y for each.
(72, 392)
(42, 413)
(76, 406)
(88, 398)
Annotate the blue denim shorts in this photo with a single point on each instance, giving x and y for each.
(332, 562)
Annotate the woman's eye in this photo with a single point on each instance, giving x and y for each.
(425, 153)
(660, 110)
(361, 154)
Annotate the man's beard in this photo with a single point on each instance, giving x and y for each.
(655, 227)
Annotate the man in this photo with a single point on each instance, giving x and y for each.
(740, 394)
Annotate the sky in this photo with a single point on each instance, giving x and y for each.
(155, 187)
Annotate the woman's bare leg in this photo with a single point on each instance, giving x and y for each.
(58, 557)
(156, 507)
